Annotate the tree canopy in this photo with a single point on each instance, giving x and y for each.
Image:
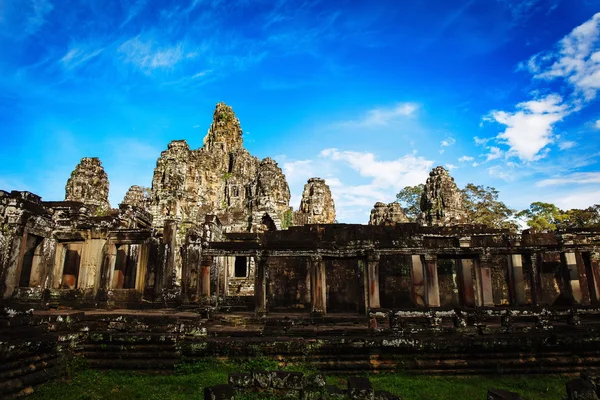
(548, 217)
(483, 207)
(410, 201)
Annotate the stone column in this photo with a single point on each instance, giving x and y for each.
(373, 282)
(594, 277)
(170, 241)
(485, 281)
(572, 285)
(432, 287)
(205, 266)
(318, 285)
(536, 287)
(417, 280)
(260, 284)
(466, 291)
(515, 272)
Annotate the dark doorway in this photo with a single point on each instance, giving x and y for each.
(240, 268)
(125, 266)
(32, 244)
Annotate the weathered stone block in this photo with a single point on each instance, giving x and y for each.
(360, 388)
(579, 389)
(240, 380)
(287, 380)
(335, 392)
(313, 394)
(501, 394)
(383, 395)
(261, 378)
(314, 381)
(219, 392)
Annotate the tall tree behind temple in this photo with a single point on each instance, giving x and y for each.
(483, 207)
(548, 217)
(410, 200)
(588, 218)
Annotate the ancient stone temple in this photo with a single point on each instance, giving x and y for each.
(441, 202)
(213, 266)
(221, 179)
(88, 184)
(316, 205)
(387, 214)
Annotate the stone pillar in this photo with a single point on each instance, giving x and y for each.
(205, 267)
(318, 285)
(594, 277)
(485, 281)
(536, 286)
(467, 294)
(170, 240)
(515, 272)
(572, 276)
(432, 289)
(373, 282)
(260, 285)
(417, 280)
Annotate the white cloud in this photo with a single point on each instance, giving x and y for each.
(383, 116)
(481, 141)
(296, 171)
(529, 129)
(78, 55)
(147, 55)
(448, 142)
(598, 124)
(494, 153)
(407, 170)
(566, 145)
(451, 166)
(465, 159)
(575, 178)
(575, 59)
(499, 171)
(579, 200)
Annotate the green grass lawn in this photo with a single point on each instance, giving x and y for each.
(188, 382)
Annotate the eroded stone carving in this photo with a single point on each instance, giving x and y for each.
(221, 178)
(136, 197)
(441, 202)
(317, 205)
(89, 184)
(387, 214)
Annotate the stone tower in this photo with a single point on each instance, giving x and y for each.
(316, 206)
(89, 184)
(441, 202)
(136, 197)
(387, 214)
(221, 178)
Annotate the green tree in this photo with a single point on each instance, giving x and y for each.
(483, 207)
(577, 218)
(543, 217)
(410, 200)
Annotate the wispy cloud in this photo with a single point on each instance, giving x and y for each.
(383, 116)
(147, 55)
(465, 159)
(576, 59)
(529, 129)
(580, 178)
(77, 56)
(20, 19)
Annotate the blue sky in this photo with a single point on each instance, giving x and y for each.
(368, 95)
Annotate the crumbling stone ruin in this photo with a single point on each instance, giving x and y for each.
(209, 263)
(316, 205)
(221, 179)
(387, 214)
(441, 203)
(88, 184)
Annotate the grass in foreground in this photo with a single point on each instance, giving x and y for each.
(189, 381)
